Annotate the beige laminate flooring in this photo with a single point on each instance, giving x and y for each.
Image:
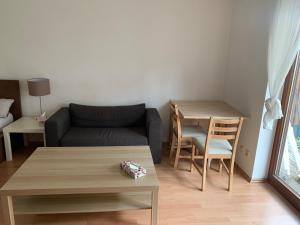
(181, 202)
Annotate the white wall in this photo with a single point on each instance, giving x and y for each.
(263, 153)
(246, 81)
(109, 52)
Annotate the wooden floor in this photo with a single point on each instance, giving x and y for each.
(181, 202)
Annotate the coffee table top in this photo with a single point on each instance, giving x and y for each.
(79, 170)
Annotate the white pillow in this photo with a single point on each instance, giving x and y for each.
(5, 105)
(5, 121)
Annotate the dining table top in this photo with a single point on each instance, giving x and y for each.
(205, 109)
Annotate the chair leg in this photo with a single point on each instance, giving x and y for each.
(192, 158)
(208, 163)
(171, 129)
(204, 173)
(220, 165)
(177, 154)
(172, 146)
(230, 175)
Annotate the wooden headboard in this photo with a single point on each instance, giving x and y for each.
(11, 89)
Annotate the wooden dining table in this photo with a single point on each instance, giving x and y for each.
(200, 110)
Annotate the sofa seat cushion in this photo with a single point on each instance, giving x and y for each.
(81, 136)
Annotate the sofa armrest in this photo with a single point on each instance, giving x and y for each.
(56, 126)
(154, 133)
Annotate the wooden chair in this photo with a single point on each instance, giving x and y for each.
(181, 135)
(220, 143)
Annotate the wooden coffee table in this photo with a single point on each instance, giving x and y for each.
(80, 180)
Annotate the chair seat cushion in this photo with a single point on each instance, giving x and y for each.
(191, 131)
(81, 136)
(215, 146)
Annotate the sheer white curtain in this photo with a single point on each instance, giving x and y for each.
(284, 43)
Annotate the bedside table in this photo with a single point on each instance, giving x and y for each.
(23, 125)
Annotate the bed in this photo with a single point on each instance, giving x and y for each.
(10, 89)
(5, 121)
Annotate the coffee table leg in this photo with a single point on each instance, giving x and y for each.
(154, 207)
(7, 210)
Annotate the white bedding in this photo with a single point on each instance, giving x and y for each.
(5, 121)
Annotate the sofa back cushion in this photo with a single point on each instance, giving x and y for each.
(107, 116)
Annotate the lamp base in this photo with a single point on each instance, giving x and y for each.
(42, 118)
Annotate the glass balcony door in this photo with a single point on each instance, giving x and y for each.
(285, 163)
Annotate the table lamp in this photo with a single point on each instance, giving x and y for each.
(39, 87)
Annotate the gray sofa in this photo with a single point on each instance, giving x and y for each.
(81, 125)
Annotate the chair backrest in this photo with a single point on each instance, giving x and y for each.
(175, 119)
(225, 129)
